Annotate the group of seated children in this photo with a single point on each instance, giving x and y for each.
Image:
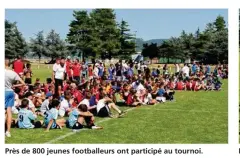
(81, 102)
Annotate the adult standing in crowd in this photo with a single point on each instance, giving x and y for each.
(10, 78)
(177, 69)
(59, 70)
(119, 70)
(185, 70)
(76, 70)
(68, 68)
(18, 65)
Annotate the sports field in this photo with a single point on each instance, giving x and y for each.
(194, 117)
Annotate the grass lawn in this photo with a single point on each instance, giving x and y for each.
(194, 117)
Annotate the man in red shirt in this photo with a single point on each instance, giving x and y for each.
(68, 67)
(76, 70)
(18, 66)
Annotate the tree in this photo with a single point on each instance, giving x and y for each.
(219, 23)
(38, 45)
(15, 44)
(150, 51)
(126, 39)
(187, 42)
(218, 41)
(106, 41)
(55, 46)
(80, 34)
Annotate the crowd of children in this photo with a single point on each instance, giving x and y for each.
(77, 92)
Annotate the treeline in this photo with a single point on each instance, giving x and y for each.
(207, 46)
(98, 35)
(95, 34)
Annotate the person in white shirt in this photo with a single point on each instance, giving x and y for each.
(59, 70)
(87, 102)
(177, 69)
(104, 107)
(45, 105)
(185, 70)
(31, 106)
(137, 86)
(96, 70)
(65, 105)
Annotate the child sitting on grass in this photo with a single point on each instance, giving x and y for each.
(26, 117)
(132, 99)
(50, 117)
(148, 98)
(78, 116)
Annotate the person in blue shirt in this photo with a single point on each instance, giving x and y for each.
(130, 72)
(50, 117)
(154, 73)
(78, 116)
(208, 69)
(194, 68)
(111, 70)
(161, 93)
(101, 69)
(26, 117)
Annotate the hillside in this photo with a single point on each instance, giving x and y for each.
(140, 42)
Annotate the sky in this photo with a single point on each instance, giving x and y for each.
(148, 23)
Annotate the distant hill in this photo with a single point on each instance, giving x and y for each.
(140, 42)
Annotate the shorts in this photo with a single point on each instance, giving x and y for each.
(9, 99)
(77, 126)
(28, 80)
(104, 111)
(161, 99)
(36, 124)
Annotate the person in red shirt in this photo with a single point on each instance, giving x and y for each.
(68, 67)
(76, 70)
(18, 66)
(66, 85)
(189, 85)
(194, 85)
(170, 84)
(132, 99)
(180, 85)
(77, 95)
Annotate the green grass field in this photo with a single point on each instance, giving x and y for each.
(194, 117)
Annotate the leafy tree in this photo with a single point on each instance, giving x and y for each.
(38, 45)
(106, 39)
(15, 44)
(150, 51)
(217, 49)
(80, 34)
(55, 46)
(126, 39)
(219, 23)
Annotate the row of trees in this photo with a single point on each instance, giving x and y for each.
(94, 35)
(97, 34)
(209, 46)
(15, 45)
